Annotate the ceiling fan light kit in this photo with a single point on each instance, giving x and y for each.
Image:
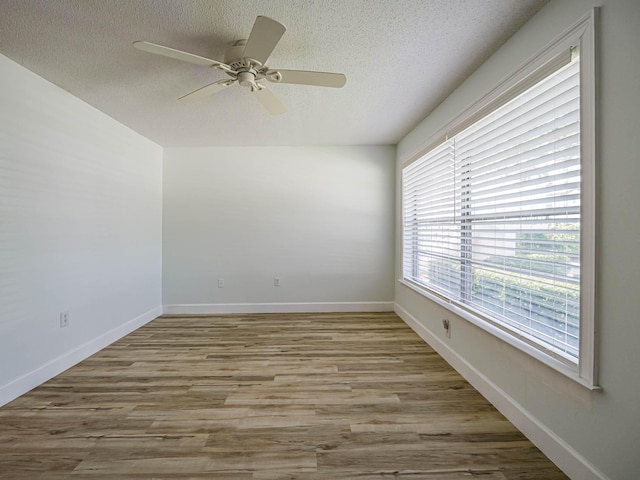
(245, 62)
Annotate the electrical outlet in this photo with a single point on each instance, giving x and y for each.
(447, 327)
(221, 283)
(276, 282)
(64, 319)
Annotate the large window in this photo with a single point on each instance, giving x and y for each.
(493, 214)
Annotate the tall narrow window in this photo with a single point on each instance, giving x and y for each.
(492, 216)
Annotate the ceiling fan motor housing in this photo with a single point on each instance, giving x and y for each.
(247, 79)
(245, 70)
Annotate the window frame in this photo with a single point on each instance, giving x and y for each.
(583, 34)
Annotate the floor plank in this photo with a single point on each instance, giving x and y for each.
(264, 397)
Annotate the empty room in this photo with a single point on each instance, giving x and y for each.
(319, 239)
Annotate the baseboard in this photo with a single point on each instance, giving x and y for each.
(58, 365)
(560, 452)
(222, 308)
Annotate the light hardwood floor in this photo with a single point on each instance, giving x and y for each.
(308, 396)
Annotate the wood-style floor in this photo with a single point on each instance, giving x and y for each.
(295, 396)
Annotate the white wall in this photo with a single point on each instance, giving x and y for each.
(80, 229)
(601, 429)
(319, 218)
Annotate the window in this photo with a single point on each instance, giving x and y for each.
(498, 214)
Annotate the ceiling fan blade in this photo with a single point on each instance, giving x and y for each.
(303, 77)
(207, 90)
(269, 100)
(265, 35)
(178, 55)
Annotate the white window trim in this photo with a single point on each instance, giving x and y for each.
(582, 33)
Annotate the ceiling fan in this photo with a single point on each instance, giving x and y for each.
(245, 63)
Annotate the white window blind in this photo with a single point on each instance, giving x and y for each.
(491, 217)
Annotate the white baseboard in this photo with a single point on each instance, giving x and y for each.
(222, 308)
(560, 452)
(23, 384)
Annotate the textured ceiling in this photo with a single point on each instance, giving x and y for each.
(401, 59)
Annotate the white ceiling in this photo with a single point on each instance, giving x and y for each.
(401, 59)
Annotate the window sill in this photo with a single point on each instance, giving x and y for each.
(566, 370)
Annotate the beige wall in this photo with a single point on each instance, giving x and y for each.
(602, 428)
(80, 228)
(319, 218)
